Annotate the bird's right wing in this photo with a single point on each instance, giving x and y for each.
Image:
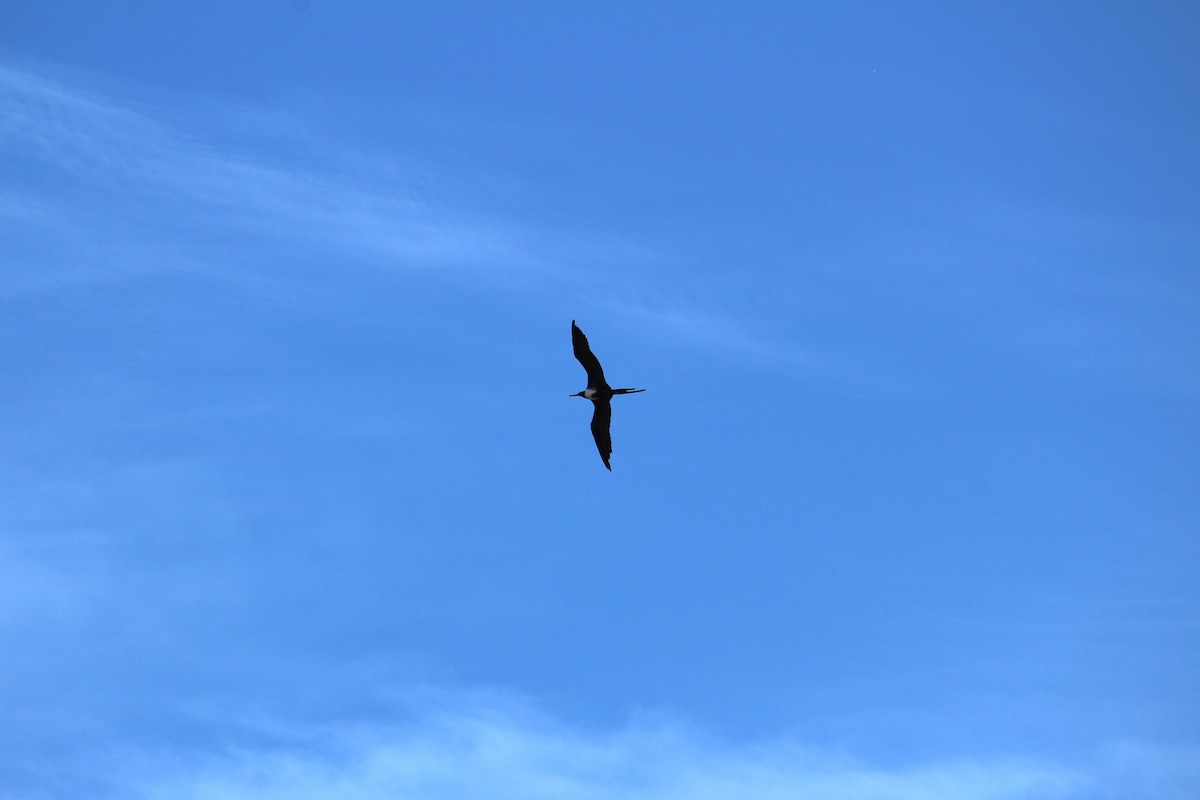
(600, 422)
(583, 352)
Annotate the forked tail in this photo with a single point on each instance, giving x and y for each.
(627, 391)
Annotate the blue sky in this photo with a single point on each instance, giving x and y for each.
(296, 504)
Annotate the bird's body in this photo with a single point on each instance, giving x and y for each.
(598, 391)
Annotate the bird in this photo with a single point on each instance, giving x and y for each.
(598, 391)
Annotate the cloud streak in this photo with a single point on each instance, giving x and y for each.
(111, 188)
(515, 754)
(499, 749)
(171, 175)
(439, 744)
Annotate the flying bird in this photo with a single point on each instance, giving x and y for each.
(598, 391)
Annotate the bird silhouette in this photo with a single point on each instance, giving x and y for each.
(598, 391)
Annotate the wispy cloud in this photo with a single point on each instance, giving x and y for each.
(509, 752)
(110, 186)
(718, 330)
(497, 748)
(169, 176)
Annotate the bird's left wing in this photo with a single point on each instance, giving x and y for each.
(601, 418)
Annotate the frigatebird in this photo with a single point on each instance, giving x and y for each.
(598, 391)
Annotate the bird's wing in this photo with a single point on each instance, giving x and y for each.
(600, 420)
(585, 356)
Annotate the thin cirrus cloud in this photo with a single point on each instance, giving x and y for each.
(505, 750)
(173, 179)
(485, 753)
(119, 187)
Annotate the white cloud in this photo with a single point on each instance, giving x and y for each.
(519, 755)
